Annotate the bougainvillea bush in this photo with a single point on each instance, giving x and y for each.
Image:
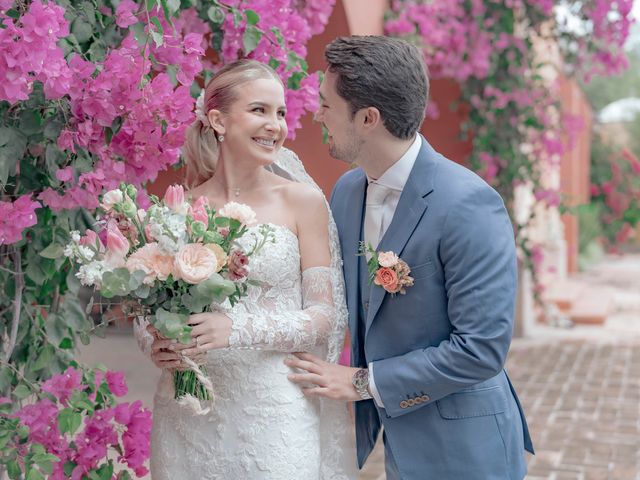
(94, 93)
(615, 194)
(500, 52)
(76, 429)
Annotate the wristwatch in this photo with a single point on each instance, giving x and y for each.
(360, 381)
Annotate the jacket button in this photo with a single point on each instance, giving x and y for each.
(418, 400)
(404, 404)
(366, 305)
(411, 402)
(425, 398)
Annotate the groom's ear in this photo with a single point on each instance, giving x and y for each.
(369, 118)
(216, 119)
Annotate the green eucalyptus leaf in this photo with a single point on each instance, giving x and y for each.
(116, 283)
(136, 279)
(171, 325)
(142, 291)
(214, 289)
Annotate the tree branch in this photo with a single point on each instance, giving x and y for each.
(17, 303)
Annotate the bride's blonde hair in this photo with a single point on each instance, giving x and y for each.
(201, 149)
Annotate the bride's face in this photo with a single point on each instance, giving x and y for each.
(255, 126)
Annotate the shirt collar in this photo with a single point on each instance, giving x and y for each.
(396, 176)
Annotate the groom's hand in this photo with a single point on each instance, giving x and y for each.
(326, 379)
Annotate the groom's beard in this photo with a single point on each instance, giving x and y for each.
(348, 152)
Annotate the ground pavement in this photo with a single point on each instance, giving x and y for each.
(580, 387)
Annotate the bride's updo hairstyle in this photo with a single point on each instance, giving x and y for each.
(201, 147)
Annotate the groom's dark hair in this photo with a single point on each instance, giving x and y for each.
(382, 72)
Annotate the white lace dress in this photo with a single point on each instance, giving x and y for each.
(262, 426)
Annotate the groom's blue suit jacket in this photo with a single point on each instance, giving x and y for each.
(438, 352)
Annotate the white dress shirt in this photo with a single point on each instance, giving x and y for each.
(394, 178)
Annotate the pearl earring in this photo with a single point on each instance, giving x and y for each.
(221, 138)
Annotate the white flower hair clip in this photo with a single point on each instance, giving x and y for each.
(200, 113)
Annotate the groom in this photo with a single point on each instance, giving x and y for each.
(432, 359)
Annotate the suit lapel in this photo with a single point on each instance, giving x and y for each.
(411, 208)
(351, 241)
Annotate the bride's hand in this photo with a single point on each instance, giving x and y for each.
(210, 331)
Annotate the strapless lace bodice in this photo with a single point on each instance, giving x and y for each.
(261, 425)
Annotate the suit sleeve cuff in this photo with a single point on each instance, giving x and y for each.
(373, 389)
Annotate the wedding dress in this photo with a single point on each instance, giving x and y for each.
(261, 425)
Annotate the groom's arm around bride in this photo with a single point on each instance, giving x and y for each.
(433, 357)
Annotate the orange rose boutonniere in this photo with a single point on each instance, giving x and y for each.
(387, 270)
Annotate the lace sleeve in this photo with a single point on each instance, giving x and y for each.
(294, 330)
(144, 338)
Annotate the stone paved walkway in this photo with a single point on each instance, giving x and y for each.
(580, 387)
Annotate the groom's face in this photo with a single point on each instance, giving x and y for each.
(335, 115)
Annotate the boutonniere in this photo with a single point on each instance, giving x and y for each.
(387, 270)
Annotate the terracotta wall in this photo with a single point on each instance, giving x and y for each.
(364, 17)
(575, 165)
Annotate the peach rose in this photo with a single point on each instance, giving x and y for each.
(387, 259)
(219, 253)
(241, 212)
(152, 261)
(387, 279)
(194, 263)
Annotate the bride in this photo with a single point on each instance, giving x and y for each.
(261, 426)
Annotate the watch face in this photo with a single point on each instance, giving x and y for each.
(361, 379)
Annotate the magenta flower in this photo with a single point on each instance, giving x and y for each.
(63, 385)
(117, 384)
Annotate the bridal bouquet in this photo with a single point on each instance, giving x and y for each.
(171, 257)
